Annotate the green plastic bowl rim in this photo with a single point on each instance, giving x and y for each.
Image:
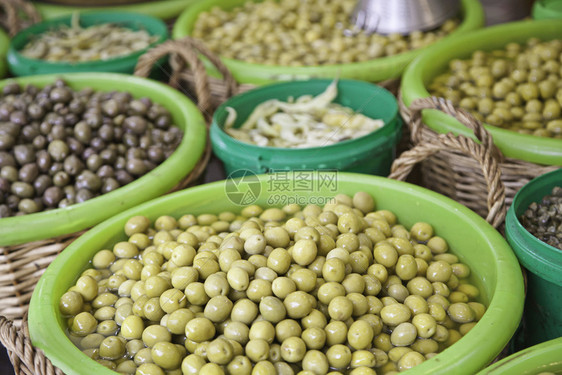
(502, 315)
(157, 28)
(529, 361)
(380, 68)
(4, 43)
(270, 88)
(61, 221)
(163, 9)
(512, 144)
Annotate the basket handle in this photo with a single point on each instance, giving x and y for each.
(483, 154)
(25, 358)
(446, 106)
(186, 52)
(13, 12)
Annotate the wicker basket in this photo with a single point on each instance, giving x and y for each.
(458, 175)
(16, 15)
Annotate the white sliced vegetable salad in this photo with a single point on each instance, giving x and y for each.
(304, 122)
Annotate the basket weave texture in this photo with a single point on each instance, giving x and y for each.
(459, 175)
(16, 15)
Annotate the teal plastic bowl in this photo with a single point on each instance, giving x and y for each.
(375, 70)
(52, 223)
(542, 320)
(546, 9)
(494, 267)
(20, 65)
(372, 153)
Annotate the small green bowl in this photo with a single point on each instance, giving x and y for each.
(494, 267)
(373, 71)
(545, 357)
(546, 9)
(372, 153)
(23, 66)
(434, 61)
(71, 219)
(163, 9)
(4, 43)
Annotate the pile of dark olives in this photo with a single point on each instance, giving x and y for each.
(544, 219)
(59, 146)
(343, 289)
(518, 88)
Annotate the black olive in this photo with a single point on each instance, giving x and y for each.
(11, 89)
(73, 165)
(61, 179)
(58, 132)
(5, 185)
(136, 167)
(105, 171)
(88, 180)
(106, 132)
(75, 146)
(109, 184)
(12, 201)
(83, 195)
(123, 177)
(22, 189)
(9, 173)
(35, 111)
(28, 172)
(29, 132)
(7, 141)
(58, 150)
(41, 184)
(24, 154)
(136, 124)
(60, 94)
(40, 142)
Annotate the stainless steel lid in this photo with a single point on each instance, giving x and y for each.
(402, 16)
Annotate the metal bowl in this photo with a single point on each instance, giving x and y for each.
(402, 16)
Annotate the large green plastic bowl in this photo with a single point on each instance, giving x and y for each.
(4, 43)
(372, 153)
(545, 357)
(163, 9)
(494, 267)
(52, 223)
(372, 71)
(542, 320)
(21, 65)
(434, 61)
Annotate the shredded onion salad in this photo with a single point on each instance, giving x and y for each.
(308, 121)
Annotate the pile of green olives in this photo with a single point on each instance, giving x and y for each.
(59, 146)
(302, 33)
(343, 289)
(518, 87)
